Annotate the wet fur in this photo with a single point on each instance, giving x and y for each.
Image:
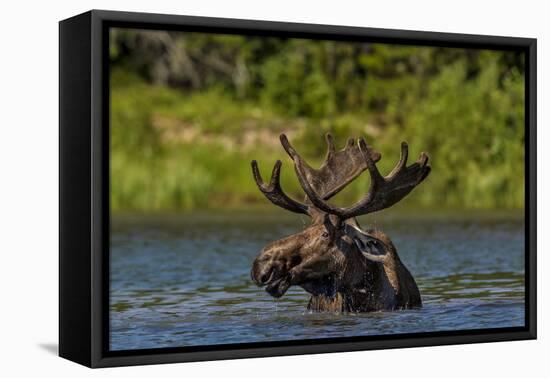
(336, 273)
(385, 286)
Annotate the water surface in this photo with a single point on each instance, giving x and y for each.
(182, 280)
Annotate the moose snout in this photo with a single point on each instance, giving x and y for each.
(267, 267)
(261, 271)
(274, 262)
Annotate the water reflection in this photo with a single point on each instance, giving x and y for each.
(184, 280)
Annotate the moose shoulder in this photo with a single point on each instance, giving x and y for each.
(343, 267)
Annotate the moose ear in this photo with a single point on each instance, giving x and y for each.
(372, 248)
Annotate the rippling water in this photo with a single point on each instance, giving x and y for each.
(184, 280)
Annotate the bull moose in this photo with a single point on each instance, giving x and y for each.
(343, 267)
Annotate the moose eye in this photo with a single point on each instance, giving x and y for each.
(325, 234)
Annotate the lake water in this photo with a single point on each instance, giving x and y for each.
(182, 280)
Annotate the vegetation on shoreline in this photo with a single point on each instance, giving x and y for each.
(184, 142)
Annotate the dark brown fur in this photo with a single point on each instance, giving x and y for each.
(335, 272)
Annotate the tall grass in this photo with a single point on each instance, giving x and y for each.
(176, 150)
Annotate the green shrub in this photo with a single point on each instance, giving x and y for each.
(464, 107)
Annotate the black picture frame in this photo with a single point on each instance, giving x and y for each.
(84, 201)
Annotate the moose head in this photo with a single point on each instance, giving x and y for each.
(343, 267)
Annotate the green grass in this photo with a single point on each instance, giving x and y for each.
(172, 150)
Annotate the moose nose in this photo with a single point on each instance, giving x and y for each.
(260, 274)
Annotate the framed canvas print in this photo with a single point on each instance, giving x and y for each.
(234, 188)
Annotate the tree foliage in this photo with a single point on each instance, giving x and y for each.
(184, 106)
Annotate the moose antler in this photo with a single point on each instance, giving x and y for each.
(338, 170)
(274, 192)
(383, 192)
